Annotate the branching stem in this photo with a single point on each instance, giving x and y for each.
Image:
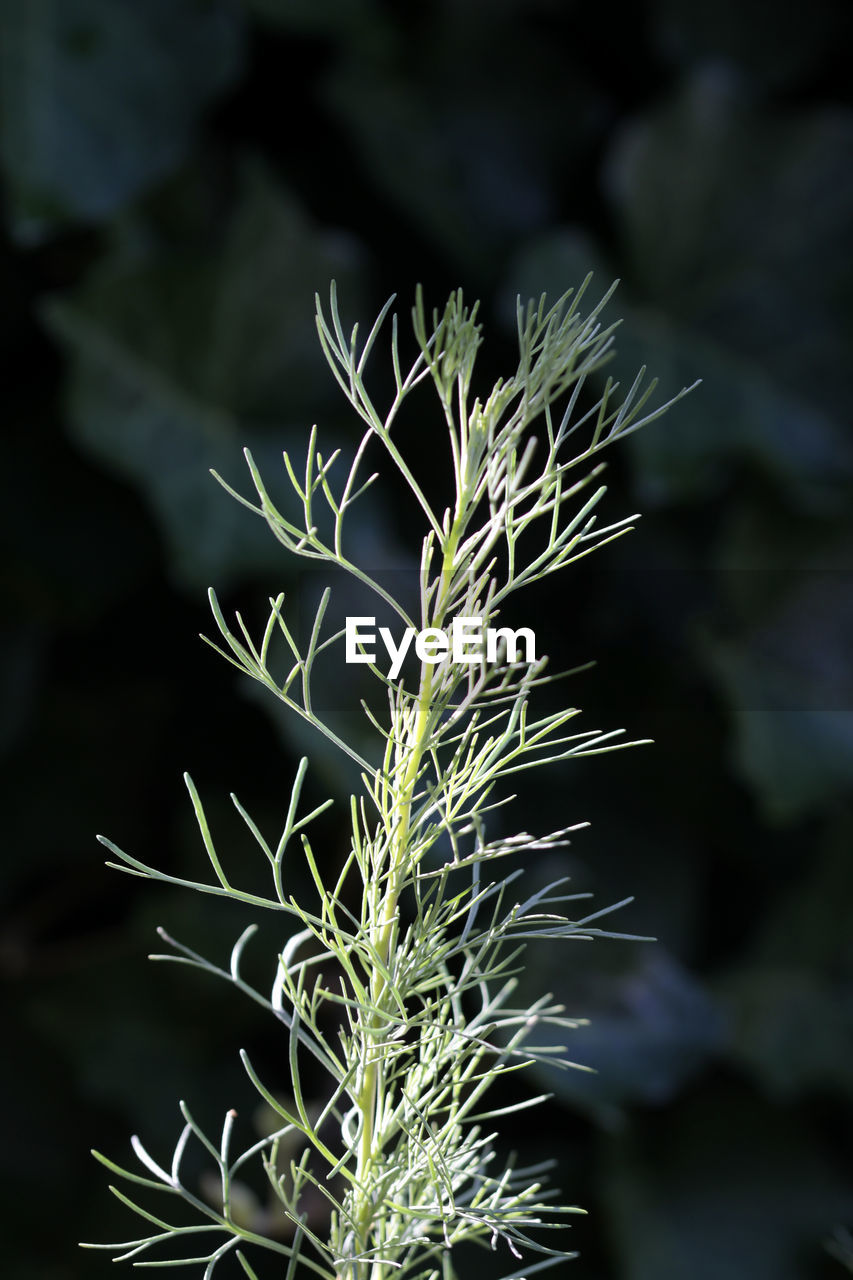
(393, 1129)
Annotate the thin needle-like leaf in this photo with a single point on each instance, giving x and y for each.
(409, 962)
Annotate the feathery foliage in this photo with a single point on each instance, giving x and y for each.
(403, 1005)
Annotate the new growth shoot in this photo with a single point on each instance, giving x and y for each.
(397, 981)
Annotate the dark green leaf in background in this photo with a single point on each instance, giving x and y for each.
(736, 222)
(181, 358)
(794, 750)
(783, 659)
(793, 1030)
(99, 99)
(457, 142)
(736, 413)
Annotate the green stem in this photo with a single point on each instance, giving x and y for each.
(372, 1092)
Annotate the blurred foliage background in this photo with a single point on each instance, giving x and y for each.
(178, 177)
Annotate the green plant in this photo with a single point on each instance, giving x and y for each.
(397, 983)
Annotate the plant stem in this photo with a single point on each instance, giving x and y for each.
(373, 1091)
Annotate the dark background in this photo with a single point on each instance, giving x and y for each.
(179, 176)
